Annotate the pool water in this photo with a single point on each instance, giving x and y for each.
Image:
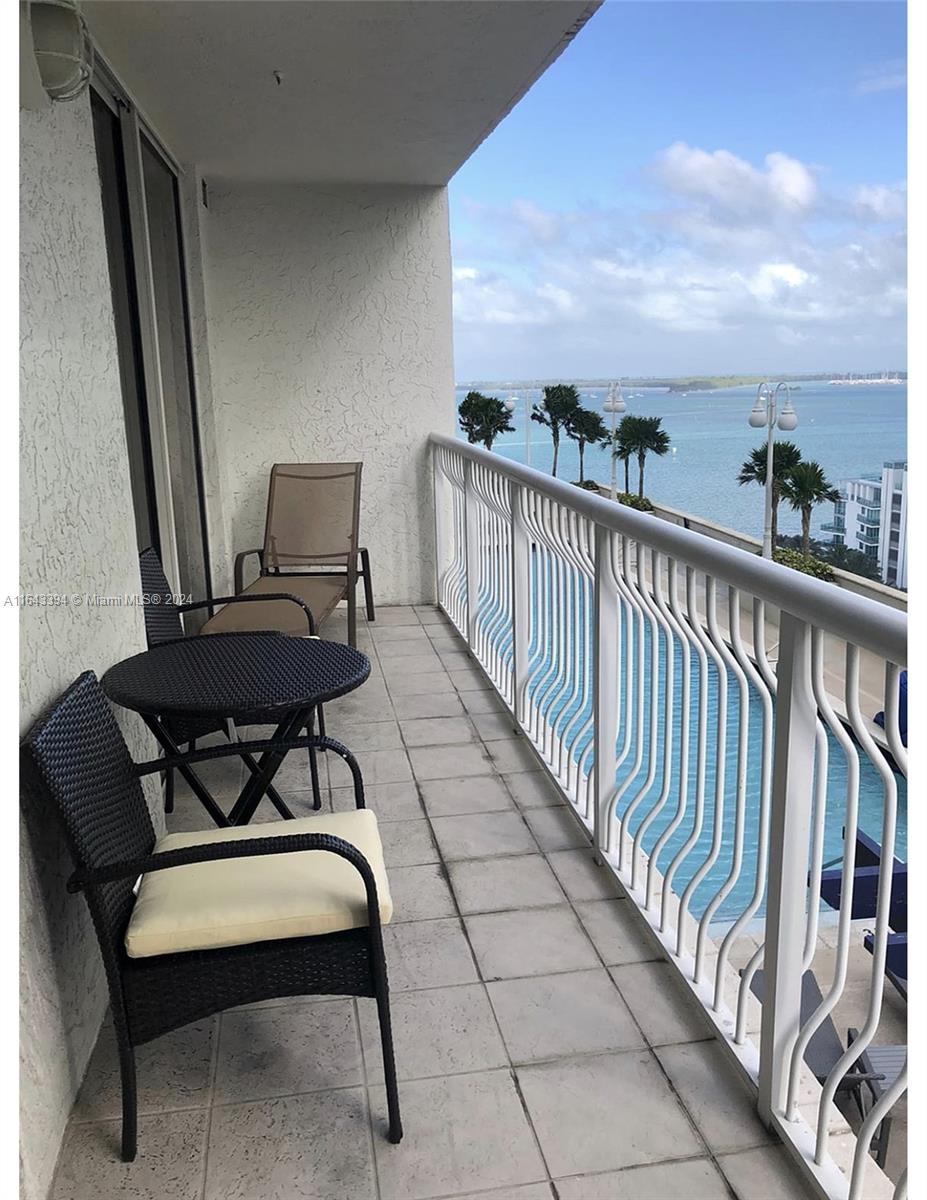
(564, 709)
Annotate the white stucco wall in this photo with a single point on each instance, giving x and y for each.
(78, 536)
(329, 327)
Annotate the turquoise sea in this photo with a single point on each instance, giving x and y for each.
(850, 431)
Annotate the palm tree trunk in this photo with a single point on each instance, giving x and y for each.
(640, 462)
(582, 447)
(627, 475)
(555, 436)
(806, 529)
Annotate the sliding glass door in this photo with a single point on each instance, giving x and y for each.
(141, 208)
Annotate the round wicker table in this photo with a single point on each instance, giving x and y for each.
(253, 678)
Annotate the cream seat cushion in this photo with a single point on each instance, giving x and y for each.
(241, 900)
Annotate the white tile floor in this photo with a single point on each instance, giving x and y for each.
(543, 1049)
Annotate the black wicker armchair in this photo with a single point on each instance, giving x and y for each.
(163, 624)
(163, 968)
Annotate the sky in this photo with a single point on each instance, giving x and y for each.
(694, 186)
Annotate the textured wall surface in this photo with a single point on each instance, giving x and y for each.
(78, 536)
(329, 325)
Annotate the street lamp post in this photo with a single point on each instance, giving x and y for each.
(510, 406)
(614, 404)
(765, 412)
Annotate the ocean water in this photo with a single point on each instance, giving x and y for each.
(850, 431)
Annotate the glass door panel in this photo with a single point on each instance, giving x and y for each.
(177, 391)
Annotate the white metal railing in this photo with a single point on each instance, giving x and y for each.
(702, 710)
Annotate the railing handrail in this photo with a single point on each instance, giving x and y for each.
(857, 619)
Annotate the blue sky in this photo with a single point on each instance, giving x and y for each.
(694, 186)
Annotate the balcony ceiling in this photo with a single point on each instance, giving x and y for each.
(372, 91)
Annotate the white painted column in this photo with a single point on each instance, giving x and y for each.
(790, 827)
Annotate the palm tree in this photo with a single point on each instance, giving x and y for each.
(483, 418)
(560, 403)
(803, 488)
(841, 556)
(786, 457)
(622, 449)
(643, 436)
(586, 429)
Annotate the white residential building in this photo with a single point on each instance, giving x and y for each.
(872, 516)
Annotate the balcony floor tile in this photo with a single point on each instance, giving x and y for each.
(718, 1104)
(540, 941)
(483, 835)
(173, 1073)
(420, 893)
(552, 1016)
(282, 1051)
(603, 1113)
(316, 1145)
(615, 930)
(694, 1179)
(664, 1011)
(581, 878)
(437, 1031)
(463, 1133)
(170, 1163)
(465, 794)
(497, 884)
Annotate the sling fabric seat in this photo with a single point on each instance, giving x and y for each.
(311, 549)
(320, 594)
(233, 902)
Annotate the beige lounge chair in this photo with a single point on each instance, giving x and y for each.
(313, 521)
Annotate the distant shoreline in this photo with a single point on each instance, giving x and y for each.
(682, 383)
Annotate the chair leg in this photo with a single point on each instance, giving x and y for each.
(352, 612)
(314, 767)
(368, 585)
(394, 1133)
(129, 1098)
(169, 790)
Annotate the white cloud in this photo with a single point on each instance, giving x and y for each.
(770, 279)
(730, 261)
(544, 225)
(881, 203)
(882, 77)
(731, 184)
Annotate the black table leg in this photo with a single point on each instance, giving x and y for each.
(268, 766)
(168, 744)
(272, 794)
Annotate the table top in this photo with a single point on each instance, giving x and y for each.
(240, 675)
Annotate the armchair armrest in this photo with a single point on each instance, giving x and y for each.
(218, 851)
(240, 566)
(250, 599)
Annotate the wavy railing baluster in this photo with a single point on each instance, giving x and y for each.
(733, 668)
(864, 1135)
(761, 688)
(883, 898)
(645, 605)
(657, 606)
(851, 814)
(714, 850)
